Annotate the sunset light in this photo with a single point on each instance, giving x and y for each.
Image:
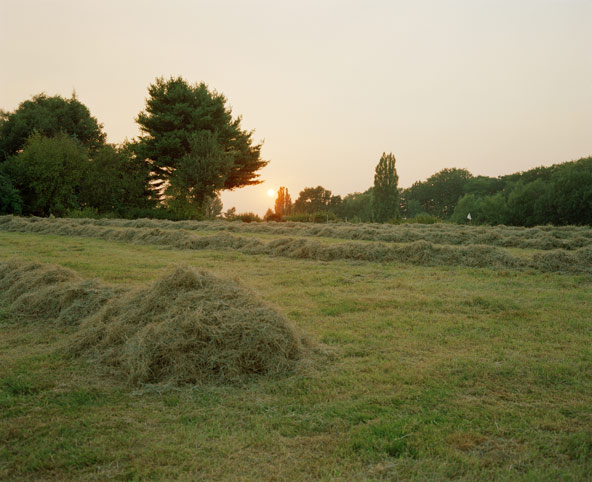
(271, 193)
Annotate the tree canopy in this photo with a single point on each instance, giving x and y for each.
(179, 126)
(440, 193)
(315, 199)
(49, 116)
(283, 203)
(48, 174)
(385, 201)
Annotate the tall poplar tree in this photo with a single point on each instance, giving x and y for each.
(283, 202)
(385, 202)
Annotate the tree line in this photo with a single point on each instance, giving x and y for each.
(560, 194)
(54, 160)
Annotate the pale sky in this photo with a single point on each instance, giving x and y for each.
(491, 86)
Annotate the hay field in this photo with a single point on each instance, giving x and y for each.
(407, 352)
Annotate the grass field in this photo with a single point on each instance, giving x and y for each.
(437, 366)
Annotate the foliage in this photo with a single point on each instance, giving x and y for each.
(10, 199)
(385, 200)
(48, 174)
(560, 194)
(115, 181)
(199, 175)
(315, 199)
(272, 216)
(440, 193)
(212, 207)
(248, 217)
(49, 116)
(572, 192)
(421, 218)
(482, 185)
(283, 203)
(179, 125)
(230, 214)
(357, 207)
(412, 208)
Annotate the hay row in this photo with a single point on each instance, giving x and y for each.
(35, 291)
(188, 327)
(416, 253)
(540, 237)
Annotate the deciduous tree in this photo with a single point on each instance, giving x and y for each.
(283, 202)
(49, 116)
(385, 201)
(48, 174)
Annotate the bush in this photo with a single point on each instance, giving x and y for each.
(248, 217)
(83, 213)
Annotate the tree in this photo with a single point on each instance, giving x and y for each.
(385, 201)
(314, 200)
(283, 203)
(573, 192)
(212, 207)
(49, 116)
(440, 193)
(10, 199)
(48, 174)
(200, 174)
(115, 181)
(357, 207)
(178, 118)
(272, 216)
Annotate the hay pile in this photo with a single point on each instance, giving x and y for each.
(190, 327)
(52, 294)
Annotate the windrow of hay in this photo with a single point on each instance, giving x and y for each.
(37, 292)
(539, 237)
(188, 327)
(420, 252)
(191, 327)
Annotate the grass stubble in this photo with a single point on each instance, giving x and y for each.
(439, 372)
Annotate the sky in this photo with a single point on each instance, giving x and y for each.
(492, 86)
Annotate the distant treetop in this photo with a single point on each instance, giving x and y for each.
(48, 116)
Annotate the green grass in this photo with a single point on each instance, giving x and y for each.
(436, 373)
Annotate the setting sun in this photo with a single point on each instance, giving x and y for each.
(271, 193)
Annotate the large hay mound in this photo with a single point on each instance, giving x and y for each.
(51, 294)
(190, 327)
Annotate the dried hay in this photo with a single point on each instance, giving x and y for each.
(578, 261)
(37, 292)
(190, 327)
(430, 245)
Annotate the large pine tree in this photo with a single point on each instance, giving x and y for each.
(177, 118)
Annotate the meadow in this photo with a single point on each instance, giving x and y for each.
(417, 352)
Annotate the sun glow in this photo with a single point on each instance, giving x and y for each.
(271, 193)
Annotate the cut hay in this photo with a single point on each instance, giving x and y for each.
(424, 245)
(190, 327)
(51, 294)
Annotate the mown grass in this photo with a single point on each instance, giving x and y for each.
(437, 373)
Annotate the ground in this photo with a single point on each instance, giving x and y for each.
(432, 372)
